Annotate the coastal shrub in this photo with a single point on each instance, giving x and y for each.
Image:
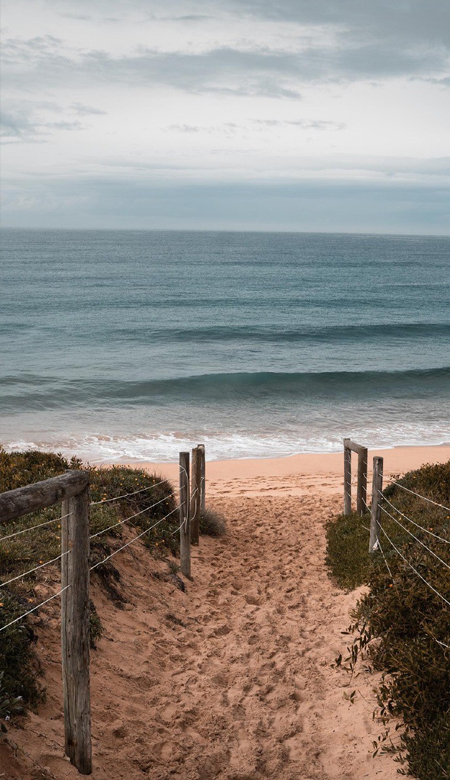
(401, 622)
(151, 500)
(212, 523)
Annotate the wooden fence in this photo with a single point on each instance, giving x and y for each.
(72, 490)
(361, 488)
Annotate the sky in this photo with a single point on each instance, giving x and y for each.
(300, 115)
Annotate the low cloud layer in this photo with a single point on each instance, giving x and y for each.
(245, 70)
(220, 93)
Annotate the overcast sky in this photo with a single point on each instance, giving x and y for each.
(329, 115)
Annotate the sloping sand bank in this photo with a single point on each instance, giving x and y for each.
(232, 679)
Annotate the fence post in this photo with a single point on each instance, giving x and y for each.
(185, 531)
(377, 487)
(361, 495)
(201, 448)
(347, 478)
(75, 621)
(196, 483)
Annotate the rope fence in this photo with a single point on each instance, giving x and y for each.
(72, 489)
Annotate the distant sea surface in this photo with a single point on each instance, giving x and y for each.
(135, 345)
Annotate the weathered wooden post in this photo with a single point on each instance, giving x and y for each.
(201, 448)
(361, 494)
(75, 620)
(377, 487)
(196, 483)
(185, 531)
(347, 478)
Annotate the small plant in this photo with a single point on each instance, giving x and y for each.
(173, 567)
(9, 705)
(212, 523)
(95, 626)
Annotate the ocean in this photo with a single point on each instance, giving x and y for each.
(134, 345)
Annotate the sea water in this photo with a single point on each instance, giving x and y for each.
(130, 345)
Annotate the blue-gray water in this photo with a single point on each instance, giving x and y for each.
(134, 344)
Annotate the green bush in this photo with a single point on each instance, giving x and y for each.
(18, 661)
(403, 612)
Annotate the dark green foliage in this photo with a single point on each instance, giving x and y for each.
(409, 621)
(348, 550)
(19, 667)
(212, 523)
(428, 750)
(8, 705)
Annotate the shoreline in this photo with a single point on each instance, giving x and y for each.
(296, 474)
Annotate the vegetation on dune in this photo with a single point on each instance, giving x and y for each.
(401, 623)
(19, 668)
(212, 523)
(348, 551)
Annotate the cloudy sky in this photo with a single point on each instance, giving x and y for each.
(329, 115)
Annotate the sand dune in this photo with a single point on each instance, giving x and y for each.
(232, 679)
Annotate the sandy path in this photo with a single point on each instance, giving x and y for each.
(242, 688)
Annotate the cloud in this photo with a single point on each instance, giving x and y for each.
(427, 21)
(400, 23)
(77, 17)
(37, 64)
(15, 125)
(370, 168)
(42, 62)
(187, 128)
(226, 128)
(82, 110)
(23, 121)
(154, 141)
(306, 124)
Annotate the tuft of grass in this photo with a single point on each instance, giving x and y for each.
(408, 620)
(212, 523)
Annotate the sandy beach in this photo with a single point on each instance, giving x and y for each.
(233, 678)
(300, 474)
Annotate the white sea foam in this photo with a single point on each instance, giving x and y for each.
(165, 447)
